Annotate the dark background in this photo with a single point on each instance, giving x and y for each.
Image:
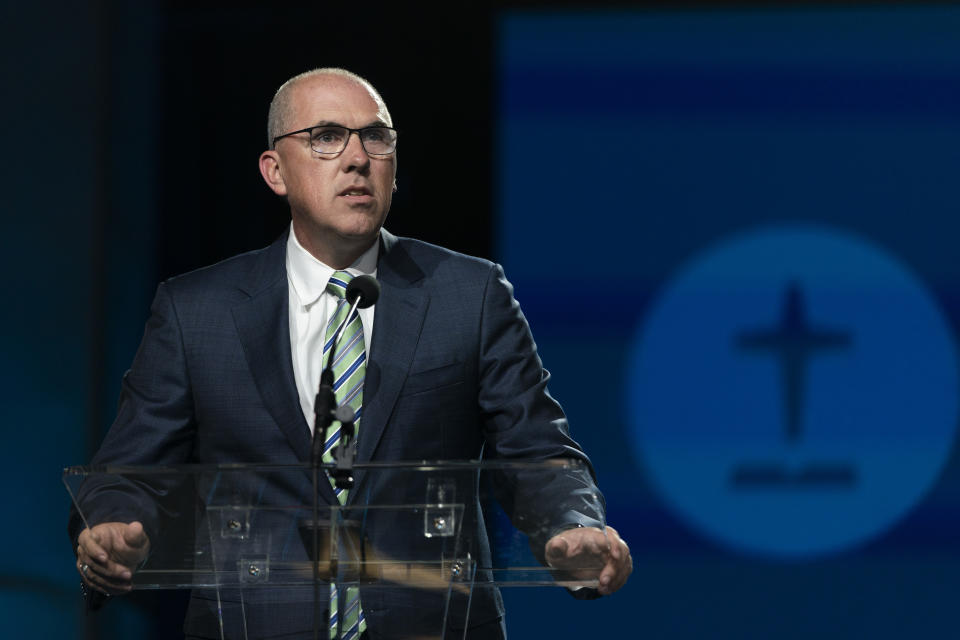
(132, 135)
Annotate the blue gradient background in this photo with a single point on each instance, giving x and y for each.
(632, 143)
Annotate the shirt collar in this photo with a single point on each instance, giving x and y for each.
(308, 276)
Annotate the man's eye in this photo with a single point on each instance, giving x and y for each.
(328, 136)
(374, 135)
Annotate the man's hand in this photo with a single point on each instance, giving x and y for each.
(588, 553)
(109, 553)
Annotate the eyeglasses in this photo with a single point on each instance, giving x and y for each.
(332, 139)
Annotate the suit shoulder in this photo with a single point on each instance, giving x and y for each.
(440, 261)
(237, 276)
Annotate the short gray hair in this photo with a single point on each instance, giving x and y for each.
(280, 106)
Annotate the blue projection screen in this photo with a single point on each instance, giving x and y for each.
(733, 233)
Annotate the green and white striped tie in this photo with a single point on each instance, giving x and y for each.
(348, 372)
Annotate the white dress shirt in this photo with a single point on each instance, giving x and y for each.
(310, 309)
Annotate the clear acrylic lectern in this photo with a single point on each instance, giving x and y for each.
(426, 544)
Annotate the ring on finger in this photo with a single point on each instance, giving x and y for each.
(84, 568)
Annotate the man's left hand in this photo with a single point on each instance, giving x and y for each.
(588, 553)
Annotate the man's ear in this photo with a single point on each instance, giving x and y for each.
(270, 170)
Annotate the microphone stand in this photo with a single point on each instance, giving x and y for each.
(323, 418)
(325, 409)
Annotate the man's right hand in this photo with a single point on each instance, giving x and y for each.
(109, 553)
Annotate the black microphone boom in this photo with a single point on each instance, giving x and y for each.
(362, 292)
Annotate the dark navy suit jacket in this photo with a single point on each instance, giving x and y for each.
(453, 374)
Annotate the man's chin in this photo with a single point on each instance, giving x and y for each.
(359, 240)
(351, 228)
(363, 231)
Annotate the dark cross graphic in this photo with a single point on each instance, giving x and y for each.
(794, 342)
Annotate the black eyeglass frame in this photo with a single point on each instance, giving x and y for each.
(346, 140)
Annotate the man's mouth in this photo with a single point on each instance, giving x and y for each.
(356, 191)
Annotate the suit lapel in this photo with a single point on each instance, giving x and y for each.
(263, 325)
(398, 320)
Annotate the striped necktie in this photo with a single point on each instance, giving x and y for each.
(349, 367)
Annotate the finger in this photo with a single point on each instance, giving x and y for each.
(606, 577)
(572, 553)
(593, 552)
(129, 545)
(112, 572)
(113, 567)
(85, 576)
(109, 587)
(89, 543)
(120, 561)
(613, 575)
(83, 557)
(616, 572)
(595, 544)
(557, 549)
(584, 542)
(623, 573)
(93, 581)
(99, 561)
(107, 582)
(134, 536)
(613, 539)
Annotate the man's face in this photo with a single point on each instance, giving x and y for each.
(342, 200)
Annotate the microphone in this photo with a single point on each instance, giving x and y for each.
(366, 288)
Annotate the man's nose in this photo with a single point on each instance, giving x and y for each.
(354, 152)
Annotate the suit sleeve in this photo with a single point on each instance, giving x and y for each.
(523, 421)
(154, 426)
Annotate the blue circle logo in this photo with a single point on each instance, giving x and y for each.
(793, 391)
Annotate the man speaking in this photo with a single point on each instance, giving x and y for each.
(442, 367)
